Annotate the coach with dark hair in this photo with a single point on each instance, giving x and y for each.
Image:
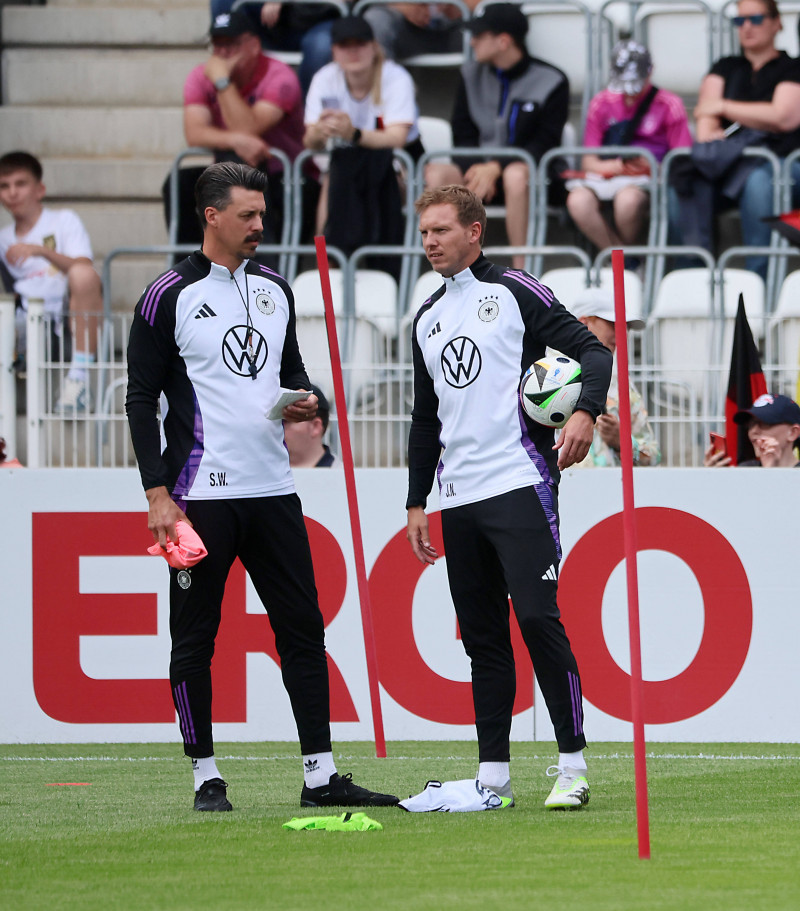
(216, 336)
(240, 104)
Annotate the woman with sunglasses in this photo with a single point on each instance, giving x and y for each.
(759, 89)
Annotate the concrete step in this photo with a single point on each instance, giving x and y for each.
(106, 132)
(91, 76)
(122, 224)
(124, 24)
(105, 178)
(135, 4)
(115, 4)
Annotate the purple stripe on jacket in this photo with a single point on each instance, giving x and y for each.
(150, 304)
(189, 471)
(544, 489)
(269, 271)
(542, 291)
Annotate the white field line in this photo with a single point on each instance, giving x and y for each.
(342, 758)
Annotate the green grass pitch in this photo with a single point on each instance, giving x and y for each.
(111, 826)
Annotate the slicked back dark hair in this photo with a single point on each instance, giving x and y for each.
(214, 185)
(21, 161)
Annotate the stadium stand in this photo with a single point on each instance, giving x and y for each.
(94, 87)
(95, 90)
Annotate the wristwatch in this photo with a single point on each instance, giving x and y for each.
(222, 83)
(356, 137)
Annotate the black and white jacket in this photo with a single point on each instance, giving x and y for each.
(472, 342)
(188, 340)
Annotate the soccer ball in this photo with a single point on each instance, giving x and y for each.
(550, 389)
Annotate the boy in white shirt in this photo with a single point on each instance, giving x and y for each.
(48, 255)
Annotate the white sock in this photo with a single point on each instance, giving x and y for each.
(204, 770)
(572, 761)
(318, 768)
(493, 774)
(77, 370)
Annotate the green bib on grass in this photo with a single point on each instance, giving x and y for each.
(347, 822)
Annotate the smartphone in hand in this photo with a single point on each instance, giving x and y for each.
(719, 442)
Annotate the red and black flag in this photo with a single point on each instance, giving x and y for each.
(787, 225)
(745, 384)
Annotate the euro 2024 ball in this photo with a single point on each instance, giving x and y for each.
(550, 390)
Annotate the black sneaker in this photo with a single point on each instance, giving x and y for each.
(340, 791)
(212, 796)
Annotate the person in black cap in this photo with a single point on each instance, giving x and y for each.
(360, 107)
(304, 440)
(239, 103)
(407, 29)
(505, 98)
(360, 99)
(304, 27)
(773, 426)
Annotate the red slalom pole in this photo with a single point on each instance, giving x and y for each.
(631, 548)
(352, 498)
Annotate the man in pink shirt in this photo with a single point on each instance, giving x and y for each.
(241, 104)
(620, 182)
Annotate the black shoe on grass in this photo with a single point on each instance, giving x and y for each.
(212, 796)
(340, 791)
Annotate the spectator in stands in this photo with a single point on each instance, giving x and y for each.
(595, 309)
(239, 103)
(360, 108)
(304, 27)
(610, 205)
(408, 29)
(773, 427)
(5, 462)
(305, 441)
(47, 255)
(505, 98)
(757, 89)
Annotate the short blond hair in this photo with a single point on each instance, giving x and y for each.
(467, 204)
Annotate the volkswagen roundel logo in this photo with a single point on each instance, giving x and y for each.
(234, 350)
(461, 362)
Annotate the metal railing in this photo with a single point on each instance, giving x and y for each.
(756, 152)
(376, 365)
(8, 397)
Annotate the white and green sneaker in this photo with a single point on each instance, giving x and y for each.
(505, 794)
(571, 790)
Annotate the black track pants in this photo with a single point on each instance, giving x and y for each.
(495, 548)
(269, 537)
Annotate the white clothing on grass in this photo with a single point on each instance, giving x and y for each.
(465, 796)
